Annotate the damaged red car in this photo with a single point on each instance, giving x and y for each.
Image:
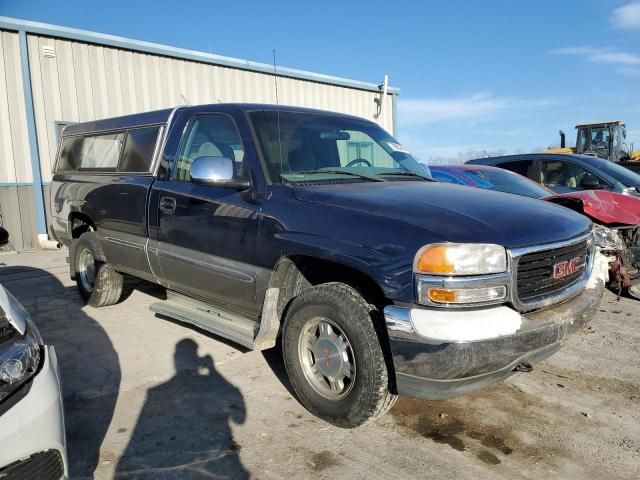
(616, 216)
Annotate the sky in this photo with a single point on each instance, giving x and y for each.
(475, 77)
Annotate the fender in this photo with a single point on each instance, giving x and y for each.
(602, 206)
(384, 268)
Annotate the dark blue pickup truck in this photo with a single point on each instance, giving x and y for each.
(268, 222)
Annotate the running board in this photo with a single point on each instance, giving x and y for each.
(243, 331)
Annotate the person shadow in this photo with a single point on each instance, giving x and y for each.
(88, 362)
(184, 428)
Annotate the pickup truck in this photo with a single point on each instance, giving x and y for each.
(319, 230)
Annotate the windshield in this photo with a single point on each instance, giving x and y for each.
(313, 147)
(623, 175)
(491, 179)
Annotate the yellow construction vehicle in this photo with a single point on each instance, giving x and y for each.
(601, 139)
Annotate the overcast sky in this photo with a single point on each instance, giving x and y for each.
(490, 75)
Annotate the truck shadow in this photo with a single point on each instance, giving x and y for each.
(89, 364)
(184, 427)
(274, 359)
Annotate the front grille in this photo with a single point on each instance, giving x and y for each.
(535, 278)
(41, 466)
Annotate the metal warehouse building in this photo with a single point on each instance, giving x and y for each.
(51, 76)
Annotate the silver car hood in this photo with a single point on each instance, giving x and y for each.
(13, 311)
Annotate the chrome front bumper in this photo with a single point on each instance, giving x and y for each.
(440, 353)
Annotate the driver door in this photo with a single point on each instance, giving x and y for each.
(207, 235)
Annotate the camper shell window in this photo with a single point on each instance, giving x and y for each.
(129, 151)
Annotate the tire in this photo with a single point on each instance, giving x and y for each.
(99, 284)
(319, 320)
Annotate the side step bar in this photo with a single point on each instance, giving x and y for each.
(243, 331)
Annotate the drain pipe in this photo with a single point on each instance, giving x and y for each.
(45, 244)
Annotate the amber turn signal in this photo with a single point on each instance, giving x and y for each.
(442, 295)
(460, 259)
(434, 260)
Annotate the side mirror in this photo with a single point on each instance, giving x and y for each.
(589, 182)
(216, 171)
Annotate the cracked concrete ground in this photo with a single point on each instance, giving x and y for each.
(147, 397)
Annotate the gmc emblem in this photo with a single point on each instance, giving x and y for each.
(568, 267)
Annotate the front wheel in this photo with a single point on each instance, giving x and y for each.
(333, 356)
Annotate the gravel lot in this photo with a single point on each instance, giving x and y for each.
(147, 397)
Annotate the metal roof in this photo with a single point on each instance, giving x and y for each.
(116, 123)
(586, 124)
(162, 116)
(37, 28)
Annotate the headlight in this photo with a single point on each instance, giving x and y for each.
(460, 259)
(461, 274)
(19, 356)
(607, 239)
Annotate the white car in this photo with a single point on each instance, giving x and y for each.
(32, 437)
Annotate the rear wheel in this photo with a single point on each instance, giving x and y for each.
(99, 284)
(333, 356)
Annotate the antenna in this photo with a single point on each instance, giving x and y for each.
(186, 102)
(275, 83)
(275, 76)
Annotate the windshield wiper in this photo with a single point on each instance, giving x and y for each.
(336, 172)
(406, 174)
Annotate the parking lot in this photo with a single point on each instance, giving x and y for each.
(147, 397)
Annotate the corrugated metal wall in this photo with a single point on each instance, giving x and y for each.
(15, 166)
(83, 82)
(17, 205)
(74, 81)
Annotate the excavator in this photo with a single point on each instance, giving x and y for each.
(602, 139)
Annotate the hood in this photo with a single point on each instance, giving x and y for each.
(604, 207)
(455, 213)
(14, 312)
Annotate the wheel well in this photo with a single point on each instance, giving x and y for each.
(296, 273)
(80, 223)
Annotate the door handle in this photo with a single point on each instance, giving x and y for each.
(168, 205)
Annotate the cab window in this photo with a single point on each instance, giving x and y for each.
(210, 135)
(566, 176)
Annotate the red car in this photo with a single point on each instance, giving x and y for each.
(617, 216)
